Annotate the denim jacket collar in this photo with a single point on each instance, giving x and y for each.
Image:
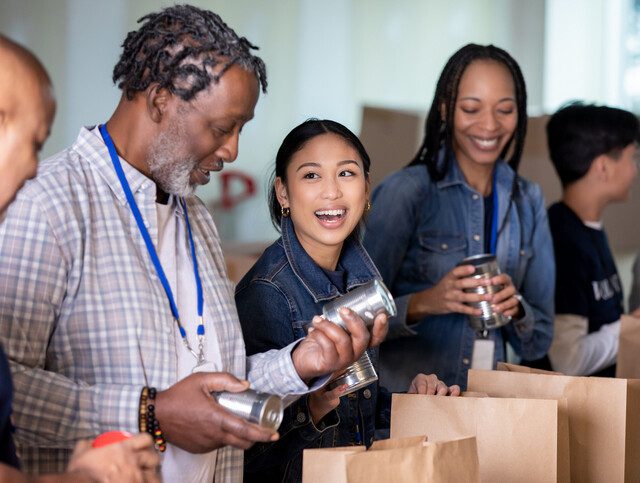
(361, 268)
(504, 183)
(454, 175)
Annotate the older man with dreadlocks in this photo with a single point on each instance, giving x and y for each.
(115, 309)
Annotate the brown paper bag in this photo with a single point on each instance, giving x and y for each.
(326, 465)
(603, 414)
(518, 439)
(628, 361)
(394, 460)
(505, 366)
(473, 394)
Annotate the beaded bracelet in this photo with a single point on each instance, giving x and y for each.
(142, 414)
(147, 421)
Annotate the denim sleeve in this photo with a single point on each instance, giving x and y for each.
(389, 228)
(383, 409)
(265, 317)
(531, 335)
(297, 432)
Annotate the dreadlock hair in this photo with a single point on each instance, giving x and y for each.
(439, 132)
(178, 49)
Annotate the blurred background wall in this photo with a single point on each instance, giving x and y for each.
(331, 58)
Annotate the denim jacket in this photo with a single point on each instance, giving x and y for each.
(419, 229)
(282, 292)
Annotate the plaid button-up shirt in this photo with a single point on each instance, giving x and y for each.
(84, 319)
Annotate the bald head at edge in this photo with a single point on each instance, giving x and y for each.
(27, 108)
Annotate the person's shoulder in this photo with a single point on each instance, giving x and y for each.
(570, 237)
(408, 182)
(55, 175)
(558, 211)
(266, 270)
(562, 219)
(531, 191)
(200, 215)
(59, 188)
(411, 175)
(261, 292)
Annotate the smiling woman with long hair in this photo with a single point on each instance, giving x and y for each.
(461, 196)
(317, 200)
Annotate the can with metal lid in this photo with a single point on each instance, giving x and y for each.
(367, 301)
(256, 407)
(486, 267)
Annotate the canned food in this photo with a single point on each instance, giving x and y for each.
(368, 301)
(256, 407)
(486, 267)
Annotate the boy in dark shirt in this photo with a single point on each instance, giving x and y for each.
(594, 150)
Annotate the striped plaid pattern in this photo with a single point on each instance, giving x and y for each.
(84, 319)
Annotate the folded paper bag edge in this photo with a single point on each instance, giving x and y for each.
(394, 443)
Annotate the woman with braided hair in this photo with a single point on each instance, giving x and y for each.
(461, 196)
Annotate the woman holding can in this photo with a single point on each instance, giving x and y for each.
(318, 198)
(461, 196)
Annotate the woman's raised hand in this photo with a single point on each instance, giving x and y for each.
(505, 301)
(449, 295)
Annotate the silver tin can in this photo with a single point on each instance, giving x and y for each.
(358, 375)
(486, 267)
(367, 301)
(256, 407)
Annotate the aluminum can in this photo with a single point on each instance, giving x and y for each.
(367, 301)
(256, 407)
(486, 267)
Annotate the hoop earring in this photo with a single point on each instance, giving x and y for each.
(367, 207)
(285, 211)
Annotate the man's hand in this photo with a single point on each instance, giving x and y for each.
(328, 347)
(191, 418)
(131, 461)
(423, 384)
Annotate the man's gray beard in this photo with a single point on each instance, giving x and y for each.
(168, 170)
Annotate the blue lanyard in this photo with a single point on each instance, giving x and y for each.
(154, 255)
(494, 218)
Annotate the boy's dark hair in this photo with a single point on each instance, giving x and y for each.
(578, 133)
(177, 48)
(438, 132)
(295, 141)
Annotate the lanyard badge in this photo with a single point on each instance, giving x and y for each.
(199, 355)
(483, 347)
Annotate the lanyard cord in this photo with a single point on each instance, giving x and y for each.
(494, 217)
(154, 255)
